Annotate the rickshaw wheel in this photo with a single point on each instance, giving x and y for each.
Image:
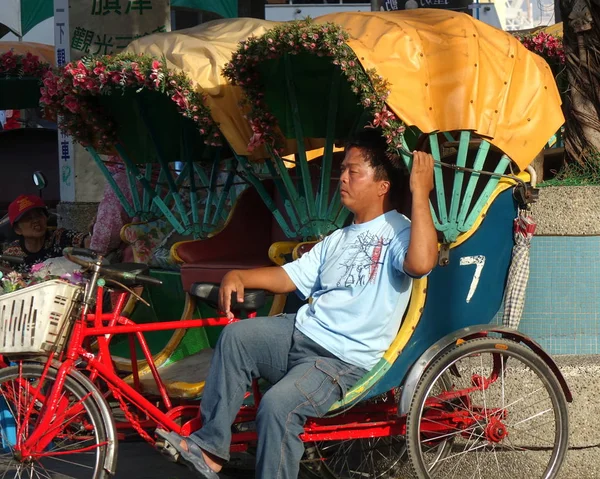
(375, 458)
(505, 413)
(80, 445)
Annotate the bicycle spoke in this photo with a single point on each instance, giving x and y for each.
(459, 461)
(72, 439)
(502, 413)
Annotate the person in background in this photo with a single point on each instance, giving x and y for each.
(111, 216)
(28, 216)
(12, 118)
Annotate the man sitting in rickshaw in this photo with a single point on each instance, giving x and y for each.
(359, 279)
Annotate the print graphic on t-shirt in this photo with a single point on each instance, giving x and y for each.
(361, 262)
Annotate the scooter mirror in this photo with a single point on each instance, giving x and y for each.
(39, 180)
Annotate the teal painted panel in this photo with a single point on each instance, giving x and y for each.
(449, 305)
(562, 305)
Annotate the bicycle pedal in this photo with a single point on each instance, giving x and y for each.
(168, 451)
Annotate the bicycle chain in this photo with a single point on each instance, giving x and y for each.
(130, 416)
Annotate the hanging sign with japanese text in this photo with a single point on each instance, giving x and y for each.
(65, 143)
(103, 27)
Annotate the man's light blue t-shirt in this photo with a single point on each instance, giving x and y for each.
(358, 286)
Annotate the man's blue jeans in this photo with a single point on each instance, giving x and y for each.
(307, 379)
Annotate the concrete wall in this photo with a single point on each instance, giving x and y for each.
(89, 189)
(568, 210)
(562, 305)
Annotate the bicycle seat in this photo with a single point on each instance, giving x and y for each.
(209, 293)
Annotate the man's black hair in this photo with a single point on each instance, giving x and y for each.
(388, 166)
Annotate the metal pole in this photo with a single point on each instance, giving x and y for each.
(375, 5)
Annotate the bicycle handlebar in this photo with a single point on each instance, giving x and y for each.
(71, 251)
(123, 275)
(128, 276)
(12, 259)
(90, 253)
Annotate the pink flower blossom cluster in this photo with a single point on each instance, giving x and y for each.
(72, 94)
(325, 40)
(545, 45)
(29, 65)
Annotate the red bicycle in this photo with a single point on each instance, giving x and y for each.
(488, 401)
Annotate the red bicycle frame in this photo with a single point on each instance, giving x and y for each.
(362, 421)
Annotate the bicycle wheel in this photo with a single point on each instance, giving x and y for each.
(505, 413)
(375, 458)
(79, 445)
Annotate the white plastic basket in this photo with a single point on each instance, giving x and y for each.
(32, 319)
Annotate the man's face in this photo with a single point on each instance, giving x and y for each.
(358, 186)
(32, 224)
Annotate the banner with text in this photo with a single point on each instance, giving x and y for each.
(104, 27)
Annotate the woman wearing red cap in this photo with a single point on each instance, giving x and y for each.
(28, 215)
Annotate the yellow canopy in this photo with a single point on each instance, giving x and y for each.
(43, 51)
(449, 71)
(555, 30)
(202, 52)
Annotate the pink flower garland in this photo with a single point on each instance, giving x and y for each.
(326, 40)
(29, 65)
(545, 45)
(71, 91)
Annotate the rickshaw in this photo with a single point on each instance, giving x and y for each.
(456, 395)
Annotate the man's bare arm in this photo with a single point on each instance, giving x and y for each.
(273, 279)
(422, 253)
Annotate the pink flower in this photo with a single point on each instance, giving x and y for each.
(36, 268)
(256, 141)
(8, 60)
(99, 69)
(31, 63)
(115, 77)
(156, 64)
(180, 100)
(90, 84)
(381, 119)
(71, 104)
(50, 85)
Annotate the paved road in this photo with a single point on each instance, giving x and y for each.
(137, 460)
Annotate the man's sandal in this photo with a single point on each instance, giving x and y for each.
(192, 457)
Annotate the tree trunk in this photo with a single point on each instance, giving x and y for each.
(581, 38)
